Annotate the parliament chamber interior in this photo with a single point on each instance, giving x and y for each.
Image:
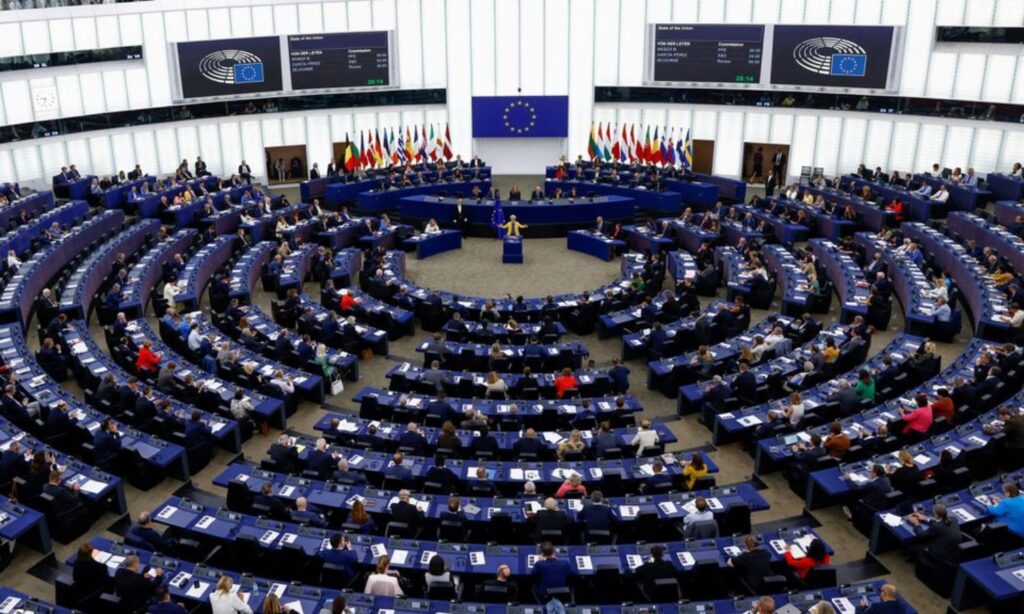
(529, 306)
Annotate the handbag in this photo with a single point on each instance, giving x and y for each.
(337, 386)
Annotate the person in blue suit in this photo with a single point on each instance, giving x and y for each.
(596, 515)
(619, 375)
(320, 460)
(143, 534)
(107, 443)
(164, 605)
(196, 432)
(398, 470)
(341, 554)
(302, 514)
(888, 604)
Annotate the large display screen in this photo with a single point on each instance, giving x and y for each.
(350, 59)
(832, 56)
(229, 67)
(710, 53)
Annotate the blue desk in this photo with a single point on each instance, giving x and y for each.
(430, 244)
(24, 525)
(689, 236)
(791, 278)
(1007, 211)
(84, 285)
(266, 408)
(987, 580)
(988, 304)
(848, 278)
(647, 240)
(389, 199)
(18, 297)
(93, 365)
(34, 204)
(512, 250)
(679, 338)
(667, 374)
(39, 386)
(309, 386)
(148, 271)
(475, 356)
(342, 190)
(199, 269)
(1005, 187)
(785, 232)
(916, 208)
(375, 313)
(247, 269)
(1006, 244)
(869, 215)
(12, 601)
(669, 202)
(406, 376)
(582, 211)
(596, 244)
(20, 239)
(701, 194)
(961, 198)
(913, 289)
(116, 197)
(342, 235)
(373, 401)
(371, 337)
(728, 188)
(734, 425)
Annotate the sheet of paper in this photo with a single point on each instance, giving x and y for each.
(197, 590)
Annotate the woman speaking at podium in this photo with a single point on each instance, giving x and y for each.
(512, 228)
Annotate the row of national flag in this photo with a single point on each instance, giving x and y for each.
(394, 147)
(625, 144)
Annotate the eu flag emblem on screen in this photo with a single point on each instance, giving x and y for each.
(849, 65)
(248, 73)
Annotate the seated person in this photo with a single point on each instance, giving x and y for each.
(814, 557)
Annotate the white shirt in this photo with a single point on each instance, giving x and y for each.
(286, 386)
(380, 584)
(695, 516)
(940, 196)
(646, 438)
(170, 290)
(1017, 319)
(194, 339)
(772, 340)
(796, 413)
(230, 603)
(13, 261)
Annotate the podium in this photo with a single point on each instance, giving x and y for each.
(512, 250)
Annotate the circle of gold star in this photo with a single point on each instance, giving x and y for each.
(513, 106)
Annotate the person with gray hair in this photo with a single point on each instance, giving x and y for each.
(134, 588)
(405, 512)
(434, 376)
(143, 533)
(284, 454)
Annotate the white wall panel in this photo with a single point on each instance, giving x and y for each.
(78, 154)
(410, 57)
(286, 19)
(62, 37)
(880, 135)
(918, 37)
(311, 18)
(852, 145)
(115, 94)
(70, 95)
(997, 86)
(685, 11)
(738, 11)
(145, 152)
(532, 52)
(124, 151)
(1013, 145)
(483, 48)
(801, 151)
(167, 157)
(506, 46)
(270, 133)
(868, 12)
(970, 70)
(17, 102)
(766, 11)
(94, 100)
(188, 143)
(816, 12)
(252, 147)
(434, 28)
(631, 43)
(210, 151)
(26, 163)
(294, 130)
(957, 151)
(336, 14)
(757, 128)
(660, 11)
(582, 53)
(985, 153)
(108, 31)
(52, 155)
(360, 15)
(556, 50)
(137, 84)
(782, 129)
(130, 28)
(459, 67)
(262, 25)
(826, 149)
(729, 144)
(904, 144)
(230, 147)
(606, 41)
(101, 155)
(711, 11)
(318, 141)
(197, 24)
(241, 21)
(931, 144)
(35, 36)
(220, 23)
(10, 39)
(156, 62)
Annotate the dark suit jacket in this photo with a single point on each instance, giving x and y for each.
(597, 517)
(407, 513)
(284, 456)
(548, 520)
(134, 589)
(752, 566)
(942, 540)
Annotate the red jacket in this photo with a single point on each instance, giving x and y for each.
(147, 360)
(802, 566)
(563, 383)
(347, 300)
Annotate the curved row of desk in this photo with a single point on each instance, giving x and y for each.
(730, 426)
(378, 403)
(910, 284)
(989, 306)
(847, 277)
(768, 374)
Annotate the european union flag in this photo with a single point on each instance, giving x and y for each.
(520, 116)
(498, 219)
(849, 65)
(248, 73)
